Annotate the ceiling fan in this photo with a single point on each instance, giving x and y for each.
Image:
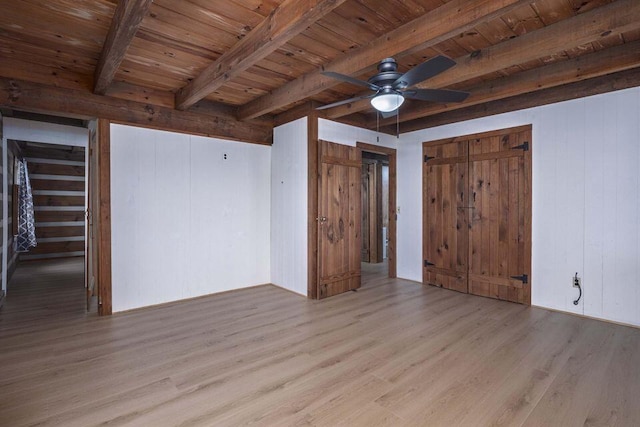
(390, 86)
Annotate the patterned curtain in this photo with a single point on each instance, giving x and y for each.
(26, 237)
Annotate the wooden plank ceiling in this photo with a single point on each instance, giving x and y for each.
(241, 63)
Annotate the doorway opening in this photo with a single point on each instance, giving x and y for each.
(45, 187)
(335, 230)
(378, 212)
(374, 213)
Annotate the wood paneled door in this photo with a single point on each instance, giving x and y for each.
(477, 214)
(339, 239)
(446, 209)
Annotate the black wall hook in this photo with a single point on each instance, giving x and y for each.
(576, 283)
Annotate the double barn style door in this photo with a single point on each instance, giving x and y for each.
(477, 214)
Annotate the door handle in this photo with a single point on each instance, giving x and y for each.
(322, 219)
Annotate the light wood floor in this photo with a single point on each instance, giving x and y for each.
(394, 353)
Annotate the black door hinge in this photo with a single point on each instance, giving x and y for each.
(427, 263)
(524, 278)
(427, 158)
(523, 147)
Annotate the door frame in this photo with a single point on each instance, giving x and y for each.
(99, 208)
(103, 187)
(371, 192)
(391, 230)
(313, 170)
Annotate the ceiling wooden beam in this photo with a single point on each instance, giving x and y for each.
(124, 26)
(36, 97)
(603, 62)
(615, 18)
(603, 84)
(285, 22)
(303, 110)
(430, 29)
(308, 109)
(164, 98)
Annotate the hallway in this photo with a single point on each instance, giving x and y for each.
(51, 291)
(374, 274)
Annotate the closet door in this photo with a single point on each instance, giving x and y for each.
(499, 232)
(445, 214)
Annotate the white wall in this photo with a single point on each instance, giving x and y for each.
(289, 193)
(586, 201)
(186, 222)
(50, 133)
(349, 135)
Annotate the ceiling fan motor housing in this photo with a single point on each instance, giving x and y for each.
(388, 73)
(387, 64)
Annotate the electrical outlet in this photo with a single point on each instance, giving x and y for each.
(577, 282)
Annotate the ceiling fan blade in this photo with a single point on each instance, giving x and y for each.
(424, 71)
(436, 95)
(350, 79)
(346, 101)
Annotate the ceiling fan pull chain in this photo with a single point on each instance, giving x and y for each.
(398, 123)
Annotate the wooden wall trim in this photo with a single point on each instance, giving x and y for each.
(377, 149)
(392, 233)
(104, 214)
(13, 151)
(528, 208)
(303, 110)
(603, 62)
(38, 98)
(393, 220)
(4, 226)
(312, 218)
(611, 82)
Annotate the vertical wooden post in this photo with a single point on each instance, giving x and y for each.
(103, 187)
(312, 223)
(391, 230)
(528, 213)
(5, 215)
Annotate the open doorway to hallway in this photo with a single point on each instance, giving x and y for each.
(375, 214)
(379, 170)
(45, 190)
